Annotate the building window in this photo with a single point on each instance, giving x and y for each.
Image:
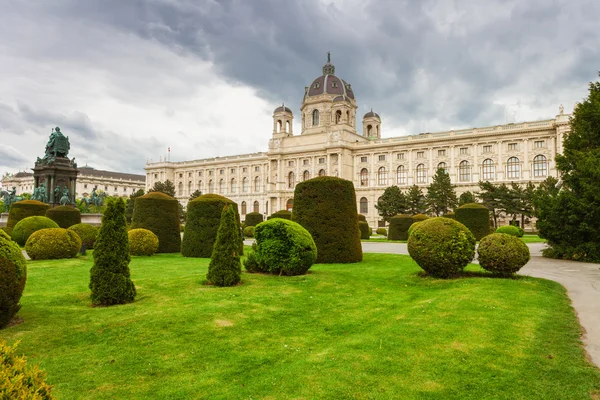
(322, 160)
(338, 114)
(464, 171)
(382, 157)
(421, 173)
(210, 173)
(400, 156)
(211, 186)
(382, 176)
(243, 208)
(512, 146)
(85, 186)
(289, 205)
(489, 170)
(538, 144)
(540, 166)
(290, 163)
(200, 173)
(364, 205)
(189, 174)
(105, 188)
(443, 166)
(306, 176)
(364, 177)
(221, 186)
(420, 154)
(315, 117)
(401, 175)
(463, 150)
(232, 170)
(155, 176)
(200, 185)
(513, 168)
(291, 180)
(255, 208)
(442, 153)
(487, 148)
(322, 172)
(363, 159)
(245, 185)
(305, 162)
(181, 175)
(244, 169)
(257, 184)
(117, 188)
(233, 185)
(257, 169)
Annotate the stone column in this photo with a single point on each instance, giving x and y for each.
(51, 189)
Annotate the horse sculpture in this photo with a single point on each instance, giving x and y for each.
(9, 198)
(95, 200)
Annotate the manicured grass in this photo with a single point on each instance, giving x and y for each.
(533, 239)
(371, 330)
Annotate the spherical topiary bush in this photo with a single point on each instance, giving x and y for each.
(362, 218)
(381, 231)
(502, 254)
(88, 234)
(249, 231)
(64, 216)
(254, 218)
(399, 224)
(365, 230)
(25, 227)
(441, 246)
(53, 243)
(326, 207)
(476, 217)
(23, 209)
(285, 214)
(159, 213)
(509, 230)
(13, 274)
(413, 227)
(283, 247)
(203, 219)
(142, 242)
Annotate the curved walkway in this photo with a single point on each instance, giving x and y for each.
(582, 281)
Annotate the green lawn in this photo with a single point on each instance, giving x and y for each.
(372, 330)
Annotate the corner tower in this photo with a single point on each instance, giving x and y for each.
(372, 125)
(282, 122)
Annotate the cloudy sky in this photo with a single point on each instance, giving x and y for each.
(126, 79)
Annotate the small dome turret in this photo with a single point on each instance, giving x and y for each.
(372, 125)
(282, 121)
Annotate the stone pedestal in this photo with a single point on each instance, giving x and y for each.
(60, 173)
(3, 219)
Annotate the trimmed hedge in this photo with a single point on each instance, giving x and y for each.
(253, 219)
(13, 275)
(285, 214)
(502, 254)
(326, 207)
(142, 242)
(283, 247)
(381, 231)
(225, 268)
(399, 224)
(476, 217)
(419, 217)
(53, 243)
(23, 209)
(64, 216)
(203, 220)
(450, 215)
(511, 230)
(159, 213)
(362, 218)
(27, 226)
(19, 380)
(441, 246)
(88, 234)
(365, 230)
(249, 231)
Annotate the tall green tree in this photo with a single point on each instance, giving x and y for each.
(492, 197)
(415, 200)
(441, 197)
(466, 198)
(545, 193)
(165, 187)
(225, 268)
(195, 195)
(131, 203)
(391, 202)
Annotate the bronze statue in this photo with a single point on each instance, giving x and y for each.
(65, 199)
(43, 196)
(57, 191)
(57, 146)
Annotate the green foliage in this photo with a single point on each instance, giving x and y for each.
(2, 207)
(13, 275)
(249, 231)
(165, 187)
(19, 380)
(419, 217)
(64, 216)
(23, 209)
(441, 197)
(159, 213)
(131, 203)
(326, 207)
(415, 200)
(441, 246)
(398, 229)
(142, 242)
(27, 226)
(475, 217)
(466, 197)
(110, 278)
(283, 247)
(253, 219)
(204, 218)
(88, 234)
(365, 230)
(225, 268)
(413, 227)
(511, 230)
(362, 218)
(450, 215)
(285, 214)
(502, 254)
(391, 202)
(195, 194)
(381, 231)
(53, 243)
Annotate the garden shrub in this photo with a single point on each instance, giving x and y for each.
(142, 242)
(285, 214)
(399, 224)
(381, 231)
(419, 217)
(326, 207)
(283, 247)
(362, 218)
(225, 268)
(64, 216)
(365, 230)
(502, 254)
(450, 215)
(511, 230)
(88, 234)
(159, 213)
(412, 227)
(110, 278)
(251, 263)
(19, 380)
(13, 275)
(23, 209)
(25, 227)
(203, 220)
(441, 246)
(476, 217)
(253, 219)
(53, 243)
(249, 231)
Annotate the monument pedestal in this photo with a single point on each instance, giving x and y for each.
(56, 176)
(3, 219)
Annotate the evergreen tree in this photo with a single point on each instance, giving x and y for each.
(441, 197)
(492, 197)
(225, 268)
(131, 203)
(391, 202)
(415, 201)
(167, 188)
(545, 193)
(110, 279)
(466, 198)
(194, 195)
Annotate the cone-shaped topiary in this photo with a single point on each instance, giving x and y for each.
(88, 234)
(285, 214)
(476, 217)
(502, 254)
(253, 218)
(53, 243)
(64, 216)
(365, 230)
(225, 268)
(159, 213)
(326, 207)
(203, 220)
(19, 380)
(23, 209)
(142, 242)
(13, 275)
(399, 225)
(110, 279)
(25, 227)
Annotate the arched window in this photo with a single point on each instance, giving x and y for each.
(289, 205)
(306, 175)
(382, 176)
(315, 117)
(488, 170)
(540, 166)
(364, 177)
(243, 208)
(338, 116)
(200, 185)
(401, 175)
(287, 126)
(256, 206)
(364, 205)
(211, 186)
(221, 186)
(443, 166)
(233, 185)
(245, 185)
(369, 128)
(190, 187)
(513, 168)
(279, 126)
(421, 174)
(180, 189)
(322, 172)
(464, 171)
(291, 180)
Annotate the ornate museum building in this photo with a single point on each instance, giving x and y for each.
(331, 144)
